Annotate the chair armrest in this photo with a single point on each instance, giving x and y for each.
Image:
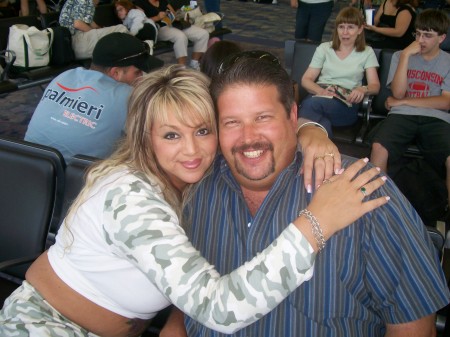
(18, 261)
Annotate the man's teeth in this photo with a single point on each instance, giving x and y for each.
(253, 154)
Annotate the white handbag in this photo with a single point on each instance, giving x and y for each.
(31, 45)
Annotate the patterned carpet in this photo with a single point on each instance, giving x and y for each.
(254, 26)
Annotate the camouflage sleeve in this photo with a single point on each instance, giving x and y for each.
(141, 227)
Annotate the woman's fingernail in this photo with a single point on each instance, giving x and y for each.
(388, 198)
(308, 188)
(341, 171)
(366, 160)
(384, 178)
(378, 169)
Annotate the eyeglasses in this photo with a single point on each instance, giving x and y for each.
(145, 51)
(426, 35)
(250, 54)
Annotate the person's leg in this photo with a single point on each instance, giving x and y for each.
(319, 15)
(200, 38)
(379, 156)
(302, 20)
(179, 40)
(434, 143)
(83, 43)
(313, 108)
(213, 6)
(390, 139)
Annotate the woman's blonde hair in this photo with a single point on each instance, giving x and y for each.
(182, 92)
(350, 15)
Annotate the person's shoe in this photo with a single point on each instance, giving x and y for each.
(150, 44)
(194, 64)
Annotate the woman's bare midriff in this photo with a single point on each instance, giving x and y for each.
(76, 307)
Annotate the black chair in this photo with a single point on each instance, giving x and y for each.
(30, 189)
(73, 182)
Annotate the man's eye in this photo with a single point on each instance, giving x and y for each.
(171, 135)
(230, 123)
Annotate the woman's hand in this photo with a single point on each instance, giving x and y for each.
(162, 15)
(345, 197)
(356, 96)
(319, 154)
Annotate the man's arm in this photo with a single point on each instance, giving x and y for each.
(423, 327)
(314, 143)
(441, 102)
(399, 83)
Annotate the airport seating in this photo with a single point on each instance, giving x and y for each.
(30, 189)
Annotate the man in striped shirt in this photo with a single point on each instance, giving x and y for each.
(379, 276)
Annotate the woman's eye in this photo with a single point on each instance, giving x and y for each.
(203, 132)
(171, 135)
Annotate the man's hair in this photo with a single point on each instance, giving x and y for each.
(246, 69)
(349, 15)
(433, 20)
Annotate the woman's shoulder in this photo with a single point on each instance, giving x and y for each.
(405, 7)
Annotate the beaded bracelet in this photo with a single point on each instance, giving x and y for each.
(315, 227)
(312, 123)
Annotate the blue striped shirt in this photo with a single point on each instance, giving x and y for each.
(381, 269)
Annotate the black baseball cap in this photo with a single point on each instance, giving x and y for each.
(123, 50)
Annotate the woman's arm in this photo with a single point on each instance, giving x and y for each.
(309, 82)
(141, 227)
(372, 87)
(402, 23)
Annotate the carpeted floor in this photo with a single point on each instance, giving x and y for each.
(254, 26)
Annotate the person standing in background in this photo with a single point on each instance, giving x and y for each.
(311, 18)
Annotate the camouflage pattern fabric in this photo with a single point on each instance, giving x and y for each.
(26, 314)
(137, 225)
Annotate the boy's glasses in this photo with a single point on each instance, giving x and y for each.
(426, 35)
(250, 54)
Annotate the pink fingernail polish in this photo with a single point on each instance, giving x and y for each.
(384, 178)
(308, 188)
(366, 160)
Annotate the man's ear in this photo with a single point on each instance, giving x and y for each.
(293, 115)
(115, 72)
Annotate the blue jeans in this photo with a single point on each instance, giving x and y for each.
(213, 6)
(311, 20)
(328, 112)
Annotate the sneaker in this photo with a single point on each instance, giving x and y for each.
(150, 44)
(195, 65)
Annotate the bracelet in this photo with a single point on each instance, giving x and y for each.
(312, 123)
(315, 227)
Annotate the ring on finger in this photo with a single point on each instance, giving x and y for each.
(363, 191)
(329, 154)
(326, 181)
(319, 157)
